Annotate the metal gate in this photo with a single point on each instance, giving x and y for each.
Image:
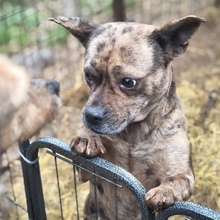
(99, 168)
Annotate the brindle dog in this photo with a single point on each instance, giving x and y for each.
(133, 116)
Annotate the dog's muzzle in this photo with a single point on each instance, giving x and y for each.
(94, 115)
(100, 121)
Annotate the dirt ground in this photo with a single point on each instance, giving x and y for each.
(197, 74)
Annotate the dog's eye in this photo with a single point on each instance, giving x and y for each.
(128, 83)
(88, 77)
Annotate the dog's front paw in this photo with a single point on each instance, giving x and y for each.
(87, 147)
(159, 198)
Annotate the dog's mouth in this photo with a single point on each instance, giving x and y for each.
(105, 127)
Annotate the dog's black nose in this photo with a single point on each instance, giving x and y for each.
(94, 114)
(53, 86)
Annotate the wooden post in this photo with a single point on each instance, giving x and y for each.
(118, 7)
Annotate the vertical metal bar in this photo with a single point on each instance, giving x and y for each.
(76, 193)
(95, 194)
(33, 186)
(58, 186)
(23, 148)
(116, 203)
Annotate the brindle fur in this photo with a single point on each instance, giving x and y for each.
(142, 129)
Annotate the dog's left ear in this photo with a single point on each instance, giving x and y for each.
(174, 37)
(78, 27)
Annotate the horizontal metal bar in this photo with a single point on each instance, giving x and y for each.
(190, 209)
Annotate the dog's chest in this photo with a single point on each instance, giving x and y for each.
(138, 159)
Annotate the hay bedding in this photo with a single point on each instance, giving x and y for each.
(198, 85)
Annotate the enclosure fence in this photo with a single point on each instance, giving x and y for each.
(99, 168)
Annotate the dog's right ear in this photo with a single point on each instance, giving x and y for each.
(174, 37)
(78, 27)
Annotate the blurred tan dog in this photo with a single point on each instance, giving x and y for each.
(133, 116)
(26, 106)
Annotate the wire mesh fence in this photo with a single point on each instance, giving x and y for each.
(48, 51)
(29, 39)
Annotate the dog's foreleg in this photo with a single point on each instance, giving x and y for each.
(174, 189)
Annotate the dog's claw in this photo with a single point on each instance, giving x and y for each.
(159, 198)
(102, 150)
(87, 147)
(88, 151)
(74, 142)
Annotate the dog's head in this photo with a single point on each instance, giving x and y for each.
(127, 67)
(40, 107)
